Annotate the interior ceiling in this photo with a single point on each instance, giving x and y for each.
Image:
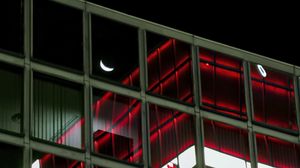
(268, 29)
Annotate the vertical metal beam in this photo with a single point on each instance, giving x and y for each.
(87, 88)
(296, 91)
(249, 108)
(199, 146)
(144, 109)
(27, 99)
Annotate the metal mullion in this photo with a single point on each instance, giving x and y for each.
(107, 162)
(58, 150)
(59, 73)
(199, 146)
(250, 114)
(79, 4)
(27, 79)
(296, 93)
(138, 22)
(242, 54)
(144, 109)
(88, 138)
(11, 59)
(170, 104)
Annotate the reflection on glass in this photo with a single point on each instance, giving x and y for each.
(277, 153)
(57, 34)
(172, 136)
(222, 84)
(115, 52)
(274, 99)
(225, 145)
(58, 111)
(117, 126)
(11, 98)
(169, 68)
(42, 160)
(11, 29)
(10, 156)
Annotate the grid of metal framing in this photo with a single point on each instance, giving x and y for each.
(89, 8)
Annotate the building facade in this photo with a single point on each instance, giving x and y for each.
(86, 86)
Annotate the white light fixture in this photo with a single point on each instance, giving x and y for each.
(105, 68)
(36, 164)
(261, 70)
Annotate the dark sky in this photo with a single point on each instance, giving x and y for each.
(268, 29)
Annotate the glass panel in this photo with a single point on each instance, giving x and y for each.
(274, 98)
(115, 52)
(11, 156)
(225, 145)
(11, 29)
(58, 111)
(222, 83)
(169, 68)
(57, 36)
(11, 98)
(172, 137)
(117, 126)
(42, 160)
(273, 152)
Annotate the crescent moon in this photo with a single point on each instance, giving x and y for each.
(105, 68)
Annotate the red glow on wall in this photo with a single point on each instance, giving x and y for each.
(277, 153)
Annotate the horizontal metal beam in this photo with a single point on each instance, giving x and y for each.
(59, 151)
(170, 104)
(11, 139)
(114, 88)
(223, 119)
(245, 55)
(11, 59)
(66, 75)
(100, 161)
(276, 134)
(79, 4)
(138, 22)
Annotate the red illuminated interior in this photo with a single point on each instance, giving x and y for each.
(277, 153)
(274, 99)
(222, 84)
(226, 139)
(116, 121)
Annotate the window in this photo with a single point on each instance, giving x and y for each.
(172, 137)
(117, 126)
(115, 52)
(11, 29)
(42, 160)
(10, 156)
(225, 145)
(11, 98)
(57, 34)
(274, 99)
(58, 111)
(222, 84)
(274, 152)
(169, 68)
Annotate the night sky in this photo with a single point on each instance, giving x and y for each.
(267, 29)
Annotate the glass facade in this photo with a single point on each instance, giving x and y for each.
(172, 138)
(117, 126)
(104, 89)
(11, 29)
(274, 99)
(169, 68)
(115, 52)
(57, 111)
(47, 160)
(222, 83)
